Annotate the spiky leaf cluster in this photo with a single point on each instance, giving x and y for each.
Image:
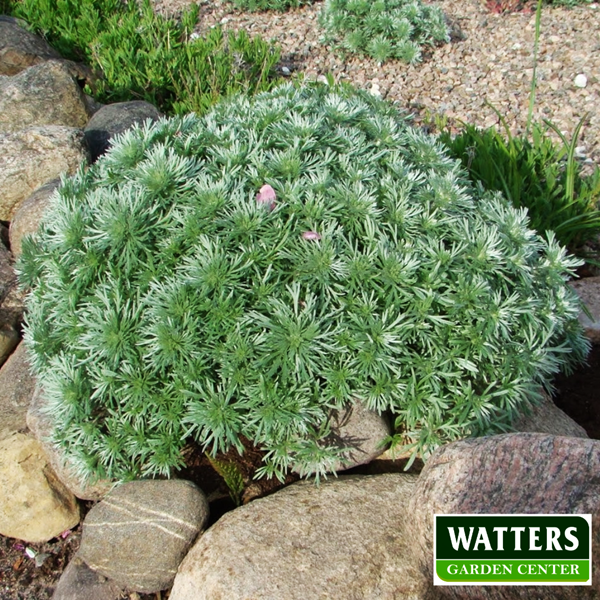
(280, 5)
(168, 302)
(383, 29)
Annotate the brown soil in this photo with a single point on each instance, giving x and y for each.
(578, 395)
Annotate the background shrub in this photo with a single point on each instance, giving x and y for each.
(383, 29)
(142, 55)
(246, 272)
(281, 5)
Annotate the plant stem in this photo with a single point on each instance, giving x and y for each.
(538, 19)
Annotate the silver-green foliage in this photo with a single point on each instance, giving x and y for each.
(167, 301)
(384, 29)
(281, 5)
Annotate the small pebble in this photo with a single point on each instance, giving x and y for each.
(286, 71)
(375, 91)
(40, 559)
(580, 80)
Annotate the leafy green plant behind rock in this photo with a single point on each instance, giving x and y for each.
(537, 174)
(140, 54)
(247, 272)
(383, 29)
(231, 476)
(281, 5)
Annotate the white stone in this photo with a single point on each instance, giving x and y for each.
(580, 80)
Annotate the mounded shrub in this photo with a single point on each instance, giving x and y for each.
(280, 5)
(383, 29)
(246, 272)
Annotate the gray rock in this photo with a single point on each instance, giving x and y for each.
(588, 290)
(93, 105)
(8, 277)
(11, 317)
(17, 385)
(20, 49)
(342, 539)
(360, 432)
(546, 417)
(27, 217)
(527, 473)
(40, 425)
(139, 534)
(34, 156)
(9, 340)
(79, 582)
(34, 505)
(10, 312)
(115, 118)
(45, 94)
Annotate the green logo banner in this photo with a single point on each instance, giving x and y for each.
(512, 549)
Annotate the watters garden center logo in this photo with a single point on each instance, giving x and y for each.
(512, 550)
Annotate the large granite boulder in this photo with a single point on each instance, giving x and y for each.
(34, 505)
(17, 385)
(40, 425)
(342, 539)
(115, 118)
(34, 156)
(528, 473)
(139, 534)
(27, 217)
(45, 94)
(20, 49)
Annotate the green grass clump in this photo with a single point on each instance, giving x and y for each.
(245, 273)
(537, 174)
(383, 29)
(141, 55)
(280, 5)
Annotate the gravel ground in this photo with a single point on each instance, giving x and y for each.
(489, 60)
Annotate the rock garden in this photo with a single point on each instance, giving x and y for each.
(277, 286)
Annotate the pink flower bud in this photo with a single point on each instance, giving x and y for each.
(266, 196)
(311, 235)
